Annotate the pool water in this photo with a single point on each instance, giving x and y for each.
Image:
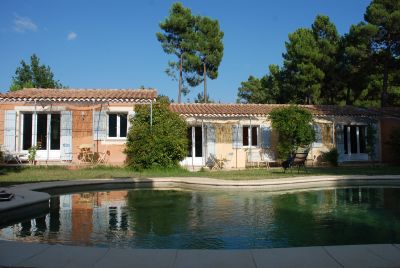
(201, 219)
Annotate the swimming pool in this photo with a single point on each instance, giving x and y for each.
(211, 219)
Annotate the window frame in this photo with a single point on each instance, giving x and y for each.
(249, 136)
(118, 134)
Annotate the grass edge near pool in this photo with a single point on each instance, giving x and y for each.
(16, 175)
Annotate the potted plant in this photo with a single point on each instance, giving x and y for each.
(32, 155)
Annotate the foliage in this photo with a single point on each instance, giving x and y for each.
(32, 154)
(162, 144)
(294, 127)
(321, 67)
(200, 99)
(197, 42)
(264, 90)
(177, 38)
(34, 75)
(209, 48)
(331, 157)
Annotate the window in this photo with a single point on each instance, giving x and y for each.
(250, 135)
(354, 139)
(117, 125)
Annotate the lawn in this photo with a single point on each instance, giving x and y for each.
(14, 175)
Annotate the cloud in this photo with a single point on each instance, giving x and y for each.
(72, 36)
(24, 24)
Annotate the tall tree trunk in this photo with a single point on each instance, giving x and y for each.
(205, 82)
(384, 94)
(180, 79)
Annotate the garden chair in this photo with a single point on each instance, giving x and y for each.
(9, 156)
(253, 158)
(268, 156)
(298, 158)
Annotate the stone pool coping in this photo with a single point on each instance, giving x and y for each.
(18, 254)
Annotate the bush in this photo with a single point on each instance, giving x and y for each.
(331, 157)
(163, 144)
(294, 127)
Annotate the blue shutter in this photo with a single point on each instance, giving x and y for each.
(265, 137)
(10, 121)
(210, 139)
(318, 135)
(99, 125)
(340, 140)
(237, 136)
(66, 136)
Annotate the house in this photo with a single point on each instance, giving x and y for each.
(68, 125)
(390, 120)
(239, 132)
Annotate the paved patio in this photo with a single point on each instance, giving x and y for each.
(17, 254)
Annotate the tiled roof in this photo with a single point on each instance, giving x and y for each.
(232, 110)
(389, 111)
(112, 95)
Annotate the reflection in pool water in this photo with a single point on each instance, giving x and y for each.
(216, 219)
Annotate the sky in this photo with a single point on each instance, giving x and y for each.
(113, 44)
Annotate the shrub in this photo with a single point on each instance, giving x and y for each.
(331, 157)
(162, 144)
(294, 127)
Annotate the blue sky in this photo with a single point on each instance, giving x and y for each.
(112, 44)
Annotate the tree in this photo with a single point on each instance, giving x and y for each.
(162, 144)
(327, 39)
(294, 127)
(264, 90)
(177, 38)
(384, 15)
(302, 73)
(200, 99)
(34, 75)
(209, 48)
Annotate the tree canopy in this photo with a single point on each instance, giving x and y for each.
(361, 68)
(34, 75)
(197, 43)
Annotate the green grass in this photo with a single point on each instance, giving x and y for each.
(15, 175)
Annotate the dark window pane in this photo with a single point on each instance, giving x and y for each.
(190, 143)
(27, 132)
(198, 142)
(112, 125)
(353, 139)
(55, 132)
(245, 136)
(254, 136)
(362, 140)
(41, 126)
(345, 139)
(123, 125)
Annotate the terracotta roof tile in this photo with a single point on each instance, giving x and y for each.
(216, 109)
(82, 94)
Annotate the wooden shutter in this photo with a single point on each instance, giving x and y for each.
(237, 137)
(265, 136)
(210, 139)
(99, 125)
(10, 121)
(66, 136)
(339, 136)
